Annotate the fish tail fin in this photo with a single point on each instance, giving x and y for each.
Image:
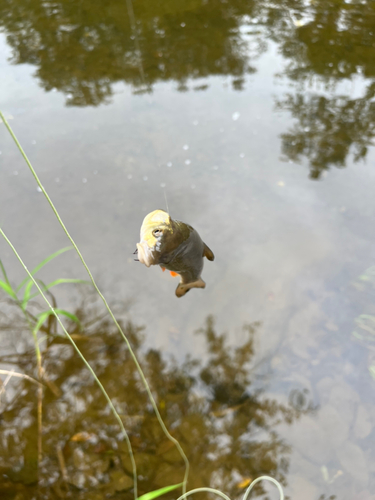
(183, 288)
(207, 252)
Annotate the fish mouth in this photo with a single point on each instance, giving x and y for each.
(145, 254)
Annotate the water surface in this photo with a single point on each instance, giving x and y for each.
(256, 120)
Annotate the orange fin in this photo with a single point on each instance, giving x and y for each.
(163, 269)
(173, 273)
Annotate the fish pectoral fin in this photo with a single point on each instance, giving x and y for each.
(162, 268)
(183, 288)
(207, 252)
(173, 273)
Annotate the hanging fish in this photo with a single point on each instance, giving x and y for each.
(175, 246)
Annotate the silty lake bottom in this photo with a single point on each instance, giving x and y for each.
(255, 120)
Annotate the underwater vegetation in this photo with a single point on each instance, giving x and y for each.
(364, 332)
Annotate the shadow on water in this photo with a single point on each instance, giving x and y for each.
(215, 407)
(83, 49)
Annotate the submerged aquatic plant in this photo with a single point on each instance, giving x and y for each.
(364, 331)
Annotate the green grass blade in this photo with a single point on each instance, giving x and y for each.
(59, 282)
(26, 295)
(4, 273)
(44, 315)
(371, 369)
(159, 492)
(368, 275)
(43, 263)
(8, 289)
(367, 316)
(69, 315)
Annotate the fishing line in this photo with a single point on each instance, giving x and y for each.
(166, 202)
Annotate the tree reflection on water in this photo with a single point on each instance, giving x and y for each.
(224, 424)
(327, 129)
(83, 49)
(327, 44)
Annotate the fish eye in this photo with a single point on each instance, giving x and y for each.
(157, 232)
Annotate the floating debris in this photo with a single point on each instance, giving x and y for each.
(81, 437)
(244, 483)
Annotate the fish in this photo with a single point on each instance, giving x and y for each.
(173, 245)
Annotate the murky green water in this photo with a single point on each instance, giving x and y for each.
(256, 120)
